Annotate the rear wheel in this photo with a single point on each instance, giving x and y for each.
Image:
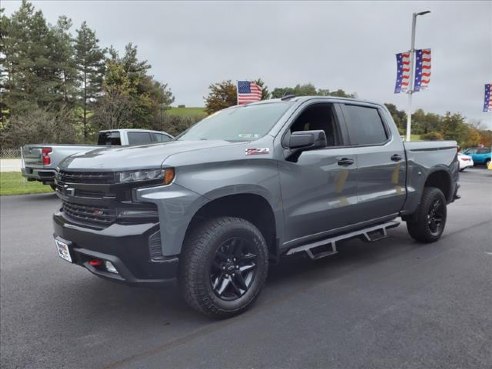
(429, 221)
(223, 266)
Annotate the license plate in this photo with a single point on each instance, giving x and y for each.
(63, 250)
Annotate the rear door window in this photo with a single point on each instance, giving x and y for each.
(109, 139)
(160, 137)
(139, 138)
(365, 125)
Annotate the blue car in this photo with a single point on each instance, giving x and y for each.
(480, 155)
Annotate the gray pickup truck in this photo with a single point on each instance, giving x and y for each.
(244, 187)
(39, 161)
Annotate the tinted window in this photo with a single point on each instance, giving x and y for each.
(138, 138)
(483, 151)
(365, 125)
(109, 138)
(159, 137)
(319, 117)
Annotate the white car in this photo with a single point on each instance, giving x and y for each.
(465, 161)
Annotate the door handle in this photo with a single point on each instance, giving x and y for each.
(396, 157)
(345, 161)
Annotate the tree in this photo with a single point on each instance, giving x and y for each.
(222, 95)
(486, 138)
(454, 128)
(131, 98)
(308, 90)
(338, 93)
(298, 90)
(4, 75)
(29, 80)
(38, 70)
(114, 109)
(89, 59)
(265, 94)
(399, 116)
(472, 138)
(63, 63)
(39, 125)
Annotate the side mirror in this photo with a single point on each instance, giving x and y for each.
(307, 140)
(304, 141)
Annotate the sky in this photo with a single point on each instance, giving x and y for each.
(349, 45)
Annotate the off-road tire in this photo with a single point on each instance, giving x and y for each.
(200, 250)
(420, 226)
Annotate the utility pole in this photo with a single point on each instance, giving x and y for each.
(411, 85)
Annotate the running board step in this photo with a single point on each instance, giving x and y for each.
(328, 247)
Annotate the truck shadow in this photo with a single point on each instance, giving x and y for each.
(293, 275)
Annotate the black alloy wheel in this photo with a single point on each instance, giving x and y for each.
(223, 266)
(435, 217)
(427, 223)
(233, 269)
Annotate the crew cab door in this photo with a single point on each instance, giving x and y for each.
(319, 188)
(381, 164)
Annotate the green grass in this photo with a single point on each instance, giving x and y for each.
(415, 137)
(187, 112)
(12, 183)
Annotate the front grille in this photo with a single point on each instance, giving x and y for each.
(86, 177)
(94, 194)
(89, 214)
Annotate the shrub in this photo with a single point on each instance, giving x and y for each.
(432, 136)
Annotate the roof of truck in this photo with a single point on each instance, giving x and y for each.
(305, 98)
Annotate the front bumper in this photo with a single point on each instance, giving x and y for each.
(125, 246)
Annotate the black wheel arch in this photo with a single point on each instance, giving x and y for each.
(441, 179)
(252, 207)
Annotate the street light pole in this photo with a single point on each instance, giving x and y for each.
(411, 82)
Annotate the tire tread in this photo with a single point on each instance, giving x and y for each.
(195, 249)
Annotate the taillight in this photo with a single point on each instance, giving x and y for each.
(45, 154)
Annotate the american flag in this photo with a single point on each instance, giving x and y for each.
(422, 69)
(248, 92)
(403, 72)
(487, 103)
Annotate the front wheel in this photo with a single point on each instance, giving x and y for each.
(429, 221)
(223, 266)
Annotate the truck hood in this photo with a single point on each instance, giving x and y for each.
(134, 157)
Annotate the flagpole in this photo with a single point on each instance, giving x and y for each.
(411, 82)
(237, 92)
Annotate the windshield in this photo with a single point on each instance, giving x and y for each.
(242, 123)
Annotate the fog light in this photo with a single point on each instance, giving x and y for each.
(95, 262)
(110, 267)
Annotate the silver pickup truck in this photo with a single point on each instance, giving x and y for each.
(39, 161)
(245, 187)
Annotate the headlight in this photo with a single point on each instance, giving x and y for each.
(166, 176)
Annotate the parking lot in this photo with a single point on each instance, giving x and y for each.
(391, 304)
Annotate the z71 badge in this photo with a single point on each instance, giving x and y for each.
(257, 151)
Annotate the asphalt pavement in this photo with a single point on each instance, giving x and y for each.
(390, 304)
